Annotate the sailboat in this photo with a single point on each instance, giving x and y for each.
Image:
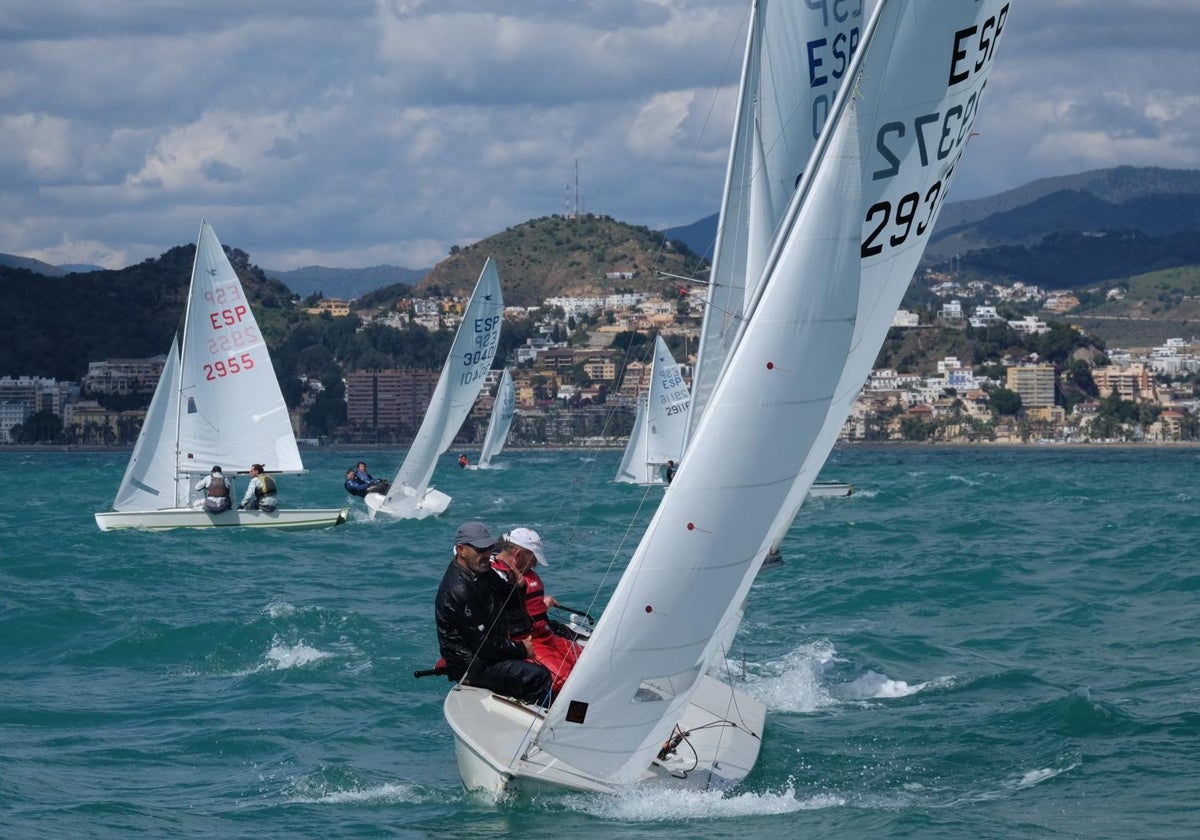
(217, 403)
(500, 421)
(660, 422)
(462, 377)
(641, 706)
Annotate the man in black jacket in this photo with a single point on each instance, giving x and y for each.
(472, 631)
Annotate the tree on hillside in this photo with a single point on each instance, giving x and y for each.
(1005, 402)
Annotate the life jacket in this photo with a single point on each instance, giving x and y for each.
(217, 487)
(535, 602)
(266, 486)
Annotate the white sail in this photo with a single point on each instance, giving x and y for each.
(917, 118)
(635, 468)
(797, 57)
(151, 475)
(217, 403)
(660, 424)
(457, 389)
(876, 182)
(231, 410)
(500, 422)
(686, 580)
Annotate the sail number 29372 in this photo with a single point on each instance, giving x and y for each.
(938, 136)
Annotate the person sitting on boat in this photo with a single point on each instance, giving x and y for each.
(218, 490)
(520, 551)
(372, 484)
(669, 470)
(356, 486)
(472, 628)
(463, 460)
(261, 494)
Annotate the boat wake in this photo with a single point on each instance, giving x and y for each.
(317, 791)
(673, 805)
(806, 680)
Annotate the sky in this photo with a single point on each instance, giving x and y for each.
(352, 133)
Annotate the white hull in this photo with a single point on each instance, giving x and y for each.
(830, 488)
(432, 503)
(493, 737)
(159, 520)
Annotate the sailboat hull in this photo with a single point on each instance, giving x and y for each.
(830, 488)
(497, 754)
(161, 520)
(432, 503)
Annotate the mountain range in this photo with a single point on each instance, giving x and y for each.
(1080, 231)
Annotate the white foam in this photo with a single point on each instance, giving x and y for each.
(385, 794)
(278, 609)
(282, 656)
(672, 805)
(874, 686)
(797, 684)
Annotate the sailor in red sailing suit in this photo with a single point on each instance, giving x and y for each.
(520, 550)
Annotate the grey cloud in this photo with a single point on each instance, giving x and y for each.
(354, 133)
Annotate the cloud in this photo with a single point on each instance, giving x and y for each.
(371, 131)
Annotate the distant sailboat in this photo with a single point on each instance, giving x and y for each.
(640, 705)
(500, 421)
(217, 403)
(470, 358)
(660, 423)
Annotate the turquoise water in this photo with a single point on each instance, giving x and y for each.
(979, 643)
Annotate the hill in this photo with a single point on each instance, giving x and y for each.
(557, 255)
(30, 264)
(56, 325)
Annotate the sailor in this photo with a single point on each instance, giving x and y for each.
(472, 628)
(260, 495)
(218, 491)
(370, 483)
(463, 461)
(354, 485)
(520, 551)
(670, 471)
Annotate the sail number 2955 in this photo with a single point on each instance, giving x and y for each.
(228, 367)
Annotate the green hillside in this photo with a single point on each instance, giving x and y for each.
(556, 255)
(1156, 306)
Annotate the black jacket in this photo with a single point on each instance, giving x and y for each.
(470, 620)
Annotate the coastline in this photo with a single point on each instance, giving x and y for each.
(891, 444)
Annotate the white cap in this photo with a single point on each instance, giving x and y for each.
(529, 539)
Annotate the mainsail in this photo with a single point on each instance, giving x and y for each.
(797, 57)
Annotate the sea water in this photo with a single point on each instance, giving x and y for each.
(978, 643)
